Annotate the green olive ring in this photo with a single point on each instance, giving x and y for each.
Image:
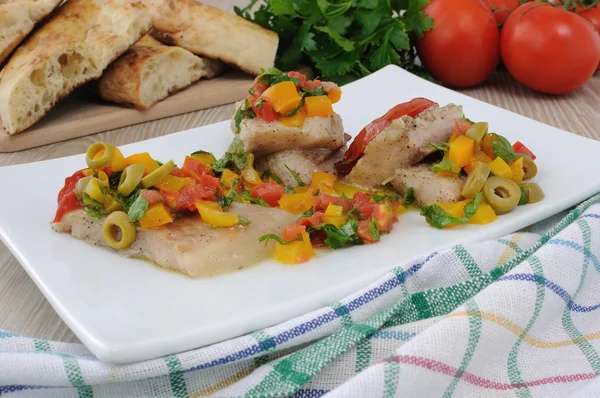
(529, 167)
(533, 192)
(476, 132)
(130, 179)
(502, 194)
(476, 180)
(118, 231)
(157, 175)
(81, 186)
(105, 160)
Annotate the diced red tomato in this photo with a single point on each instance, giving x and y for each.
(318, 238)
(265, 111)
(366, 135)
(309, 85)
(462, 126)
(176, 172)
(363, 231)
(152, 196)
(67, 200)
(269, 192)
(298, 75)
(313, 221)
(360, 199)
(519, 147)
(382, 213)
(292, 232)
(188, 196)
(259, 87)
(324, 200)
(196, 167)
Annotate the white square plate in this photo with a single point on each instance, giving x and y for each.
(128, 310)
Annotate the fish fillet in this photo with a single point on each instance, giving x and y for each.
(428, 186)
(190, 246)
(403, 143)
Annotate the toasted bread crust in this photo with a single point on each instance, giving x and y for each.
(214, 33)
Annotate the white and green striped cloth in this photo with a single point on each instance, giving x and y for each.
(518, 316)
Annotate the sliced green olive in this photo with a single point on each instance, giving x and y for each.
(533, 191)
(529, 167)
(157, 175)
(81, 186)
(475, 181)
(502, 194)
(130, 179)
(118, 231)
(107, 150)
(476, 132)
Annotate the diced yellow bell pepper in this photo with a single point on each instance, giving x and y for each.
(293, 121)
(213, 214)
(94, 189)
(455, 209)
(447, 173)
(346, 189)
(297, 202)
(461, 151)
(400, 210)
(517, 170)
(113, 205)
(206, 159)
(484, 214)
(144, 159)
(228, 176)
(158, 214)
(249, 174)
(338, 221)
(333, 210)
(486, 144)
(319, 105)
(88, 172)
(323, 182)
(478, 157)
(283, 97)
(173, 183)
(304, 189)
(500, 168)
(334, 95)
(295, 252)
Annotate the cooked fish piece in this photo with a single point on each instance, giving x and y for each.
(305, 162)
(403, 143)
(429, 187)
(262, 138)
(190, 246)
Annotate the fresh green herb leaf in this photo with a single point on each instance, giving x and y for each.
(236, 154)
(343, 236)
(288, 190)
(409, 198)
(281, 241)
(201, 152)
(244, 222)
(93, 212)
(267, 174)
(466, 119)
(446, 165)
(374, 229)
(257, 201)
(314, 93)
(379, 198)
(523, 197)
(442, 146)
(114, 179)
(295, 111)
(439, 218)
(503, 149)
(138, 208)
(296, 177)
(245, 111)
(258, 103)
(307, 213)
(252, 91)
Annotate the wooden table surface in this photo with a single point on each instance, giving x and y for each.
(24, 310)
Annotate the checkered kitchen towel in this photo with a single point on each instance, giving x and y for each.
(518, 316)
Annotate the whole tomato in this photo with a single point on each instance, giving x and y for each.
(593, 15)
(549, 49)
(501, 8)
(463, 48)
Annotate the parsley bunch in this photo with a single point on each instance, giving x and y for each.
(346, 39)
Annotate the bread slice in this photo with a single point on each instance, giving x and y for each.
(213, 33)
(80, 40)
(17, 20)
(150, 71)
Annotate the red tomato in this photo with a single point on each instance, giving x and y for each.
(519, 147)
(383, 215)
(502, 8)
(298, 75)
(464, 47)
(366, 135)
(360, 199)
(323, 201)
(312, 221)
(593, 15)
(549, 49)
(151, 196)
(188, 196)
(292, 232)
(364, 232)
(197, 167)
(67, 200)
(269, 192)
(317, 238)
(462, 126)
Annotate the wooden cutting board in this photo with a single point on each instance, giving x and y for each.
(84, 113)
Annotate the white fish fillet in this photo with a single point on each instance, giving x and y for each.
(403, 143)
(428, 186)
(190, 246)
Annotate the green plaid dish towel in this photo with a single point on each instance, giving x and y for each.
(517, 316)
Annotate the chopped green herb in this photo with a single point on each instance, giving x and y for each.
(313, 93)
(138, 207)
(236, 154)
(114, 179)
(244, 222)
(439, 218)
(380, 198)
(257, 201)
(343, 236)
(281, 241)
(245, 111)
(409, 198)
(442, 146)
(267, 174)
(374, 229)
(466, 119)
(295, 111)
(93, 212)
(523, 198)
(288, 190)
(503, 149)
(307, 213)
(446, 165)
(296, 177)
